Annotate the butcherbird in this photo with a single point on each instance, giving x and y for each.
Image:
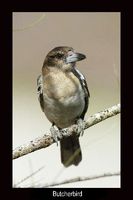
(64, 96)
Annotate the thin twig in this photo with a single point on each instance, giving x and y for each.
(27, 177)
(31, 25)
(78, 179)
(46, 140)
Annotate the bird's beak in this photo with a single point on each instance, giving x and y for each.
(74, 57)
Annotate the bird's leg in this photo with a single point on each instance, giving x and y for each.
(81, 126)
(63, 132)
(55, 133)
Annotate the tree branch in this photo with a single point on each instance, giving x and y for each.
(77, 179)
(28, 177)
(46, 140)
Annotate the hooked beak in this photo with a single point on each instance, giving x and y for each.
(74, 57)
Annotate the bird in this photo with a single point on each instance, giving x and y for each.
(64, 98)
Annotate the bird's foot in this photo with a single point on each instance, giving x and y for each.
(56, 134)
(64, 132)
(81, 126)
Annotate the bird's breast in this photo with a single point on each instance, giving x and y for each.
(63, 98)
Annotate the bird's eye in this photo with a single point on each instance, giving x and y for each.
(59, 55)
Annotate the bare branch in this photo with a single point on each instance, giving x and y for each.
(28, 177)
(77, 179)
(46, 140)
(37, 21)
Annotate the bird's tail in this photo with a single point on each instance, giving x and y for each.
(70, 151)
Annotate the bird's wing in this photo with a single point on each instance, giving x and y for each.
(40, 91)
(83, 82)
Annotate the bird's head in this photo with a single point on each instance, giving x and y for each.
(63, 58)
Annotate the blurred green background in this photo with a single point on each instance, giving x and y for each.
(97, 35)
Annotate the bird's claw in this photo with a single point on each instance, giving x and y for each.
(81, 126)
(56, 134)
